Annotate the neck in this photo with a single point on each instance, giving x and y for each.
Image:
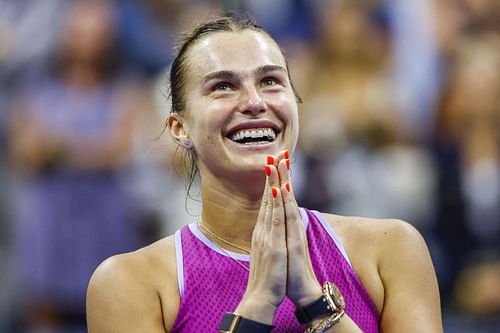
(229, 211)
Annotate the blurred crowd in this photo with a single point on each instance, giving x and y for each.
(400, 119)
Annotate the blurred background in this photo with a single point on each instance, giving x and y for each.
(401, 119)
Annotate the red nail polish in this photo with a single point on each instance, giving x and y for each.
(267, 168)
(286, 154)
(270, 160)
(275, 192)
(288, 164)
(287, 186)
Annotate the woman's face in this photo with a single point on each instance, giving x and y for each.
(88, 31)
(239, 103)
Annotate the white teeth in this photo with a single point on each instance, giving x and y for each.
(254, 133)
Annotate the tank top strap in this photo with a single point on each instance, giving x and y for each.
(328, 228)
(331, 263)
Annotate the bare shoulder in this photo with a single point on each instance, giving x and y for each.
(127, 292)
(385, 232)
(379, 242)
(393, 262)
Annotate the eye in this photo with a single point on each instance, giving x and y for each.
(222, 86)
(269, 81)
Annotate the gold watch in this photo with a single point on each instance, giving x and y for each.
(331, 304)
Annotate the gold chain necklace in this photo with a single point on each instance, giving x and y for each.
(244, 249)
(227, 242)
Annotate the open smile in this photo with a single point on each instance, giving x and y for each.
(254, 136)
(261, 132)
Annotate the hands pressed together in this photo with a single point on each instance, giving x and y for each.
(280, 264)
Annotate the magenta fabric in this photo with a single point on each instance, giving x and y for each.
(214, 284)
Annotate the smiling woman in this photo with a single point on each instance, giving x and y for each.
(255, 261)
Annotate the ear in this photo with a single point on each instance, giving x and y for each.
(178, 130)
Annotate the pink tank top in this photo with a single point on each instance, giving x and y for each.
(211, 283)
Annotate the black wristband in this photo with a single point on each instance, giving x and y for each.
(235, 323)
(308, 313)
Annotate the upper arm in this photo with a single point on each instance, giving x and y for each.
(119, 300)
(411, 296)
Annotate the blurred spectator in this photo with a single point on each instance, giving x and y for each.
(417, 75)
(468, 150)
(70, 147)
(360, 159)
(19, 22)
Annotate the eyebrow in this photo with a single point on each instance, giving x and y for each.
(225, 74)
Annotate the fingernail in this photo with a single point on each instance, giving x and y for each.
(288, 164)
(270, 159)
(287, 186)
(286, 153)
(275, 192)
(267, 168)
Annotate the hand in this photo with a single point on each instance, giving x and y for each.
(267, 281)
(302, 285)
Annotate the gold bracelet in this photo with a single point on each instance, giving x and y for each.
(326, 323)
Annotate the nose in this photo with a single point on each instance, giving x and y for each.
(251, 101)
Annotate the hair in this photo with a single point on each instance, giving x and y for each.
(228, 23)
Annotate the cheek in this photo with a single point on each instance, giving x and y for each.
(286, 109)
(208, 129)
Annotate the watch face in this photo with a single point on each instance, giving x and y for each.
(338, 298)
(335, 296)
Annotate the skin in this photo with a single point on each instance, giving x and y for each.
(389, 256)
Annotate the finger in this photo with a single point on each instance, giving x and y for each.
(265, 212)
(263, 220)
(271, 160)
(284, 170)
(265, 198)
(278, 220)
(273, 182)
(283, 155)
(295, 228)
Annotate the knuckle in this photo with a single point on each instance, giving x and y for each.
(276, 221)
(276, 203)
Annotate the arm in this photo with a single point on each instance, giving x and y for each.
(411, 296)
(29, 146)
(119, 300)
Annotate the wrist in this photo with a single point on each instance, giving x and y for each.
(235, 323)
(310, 294)
(257, 310)
(324, 312)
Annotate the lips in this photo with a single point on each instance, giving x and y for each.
(255, 132)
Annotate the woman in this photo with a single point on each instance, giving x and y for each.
(70, 146)
(254, 254)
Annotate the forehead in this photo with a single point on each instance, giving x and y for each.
(234, 51)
